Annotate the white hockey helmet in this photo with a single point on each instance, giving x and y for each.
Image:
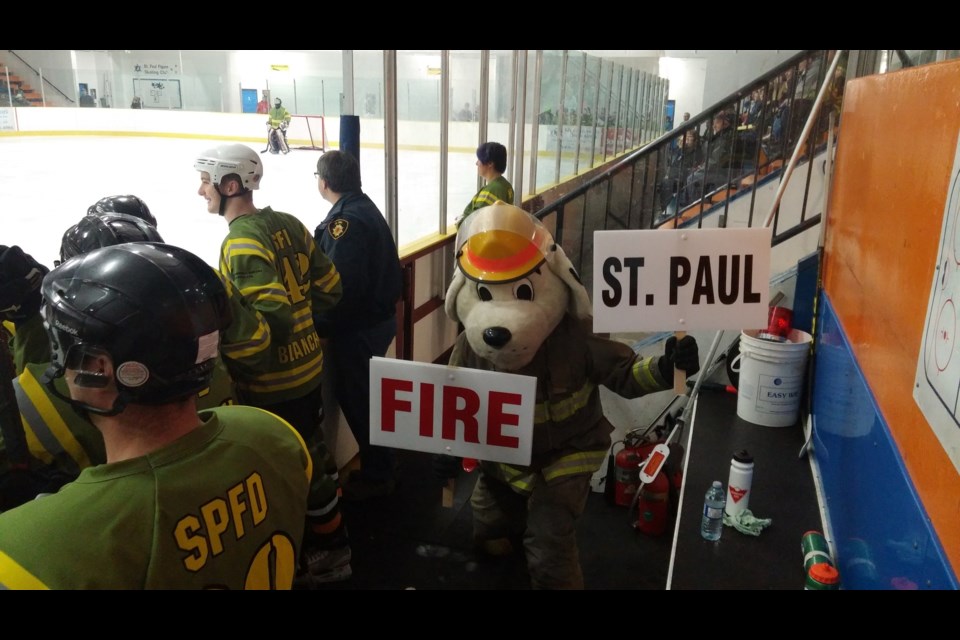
(231, 158)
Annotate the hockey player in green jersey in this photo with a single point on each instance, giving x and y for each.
(273, 260)
(214, 499)
(60, 442)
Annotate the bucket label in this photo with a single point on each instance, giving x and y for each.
(779, 394)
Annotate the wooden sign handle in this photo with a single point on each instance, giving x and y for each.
(447, 499)
(679, 375)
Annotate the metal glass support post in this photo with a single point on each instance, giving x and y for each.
(561, 115)
(444, 138)
(390, 139)
(535, 107)
(519, 124)
(583, 86)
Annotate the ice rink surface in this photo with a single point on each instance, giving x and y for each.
(47, 183)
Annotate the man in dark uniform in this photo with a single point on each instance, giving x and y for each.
(358, 240)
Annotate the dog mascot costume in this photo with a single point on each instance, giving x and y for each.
(525, 311)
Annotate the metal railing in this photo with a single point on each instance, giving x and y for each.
(43, 81)
(657, 185)
(640, 192)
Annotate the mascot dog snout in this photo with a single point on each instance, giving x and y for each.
(496, 337)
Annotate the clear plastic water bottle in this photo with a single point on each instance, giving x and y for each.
(711, 525)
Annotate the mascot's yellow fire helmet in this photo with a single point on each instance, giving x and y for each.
(501, 243)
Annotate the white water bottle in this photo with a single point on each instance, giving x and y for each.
(739, 484)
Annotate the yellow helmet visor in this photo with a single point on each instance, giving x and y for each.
(501, 243)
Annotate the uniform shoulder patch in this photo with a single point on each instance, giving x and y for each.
(338, 228)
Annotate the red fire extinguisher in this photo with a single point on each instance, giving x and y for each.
(653, 506)
(626, 470)
(653, 499)
(626, 467)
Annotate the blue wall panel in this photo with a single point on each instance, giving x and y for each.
(883, 536)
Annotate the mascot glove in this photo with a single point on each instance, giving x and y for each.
(680, 354)
(20, 279)
(445, 467)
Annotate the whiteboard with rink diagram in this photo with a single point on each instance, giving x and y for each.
(158, 93)
(937, 385)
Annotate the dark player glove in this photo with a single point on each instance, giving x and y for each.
(682, 354)
(20, 279)
(445, 467)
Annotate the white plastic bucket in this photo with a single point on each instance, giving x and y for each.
(771, 378)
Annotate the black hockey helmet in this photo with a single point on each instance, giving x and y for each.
(105, 230)
(154, 309)
(130, 205)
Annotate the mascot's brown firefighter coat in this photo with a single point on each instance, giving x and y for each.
(538, 323)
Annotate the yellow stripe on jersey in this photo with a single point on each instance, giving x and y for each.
(328, 282)
(259, 341)
(235, 247)
(58, 428)
(303, 320)
(643, 374)
(283, 380)
(13, 576)
(272, 291)
(560, 410)
(575, 464)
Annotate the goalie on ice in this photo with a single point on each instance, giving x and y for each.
(277, 122)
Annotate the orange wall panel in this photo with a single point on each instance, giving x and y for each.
(895, 154)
